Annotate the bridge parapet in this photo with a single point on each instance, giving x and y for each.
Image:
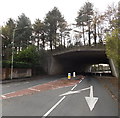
(78, 48)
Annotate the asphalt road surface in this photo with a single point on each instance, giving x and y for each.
(49, 103)
(15, 86)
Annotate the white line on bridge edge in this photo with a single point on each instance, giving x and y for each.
(46, 114)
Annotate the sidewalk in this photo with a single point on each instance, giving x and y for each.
(22, 79)
(111, 84)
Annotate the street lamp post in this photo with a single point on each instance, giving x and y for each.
(12, 53)
(13, 48)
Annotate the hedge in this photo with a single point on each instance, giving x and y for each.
(7, 64)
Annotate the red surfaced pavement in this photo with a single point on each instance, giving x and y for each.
(38, 88)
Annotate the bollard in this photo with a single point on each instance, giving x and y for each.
(74, 74)
(69, 76)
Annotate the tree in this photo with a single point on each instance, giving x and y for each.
(28, 55)
(80, 22)
(95, 19)
(53, 22)
(34, 57)
(84, 18)
(23, 32)
(112, 46)
(88, 12)
(39, 31)
(7, 37)
(63, 26)
(98, 27)
(111, 16)
(113, 40)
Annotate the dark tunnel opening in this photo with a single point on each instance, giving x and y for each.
(79, 61)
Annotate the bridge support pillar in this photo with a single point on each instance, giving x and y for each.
(113, 68)
(54, 66)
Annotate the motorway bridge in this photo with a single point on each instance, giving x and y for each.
(78, 59)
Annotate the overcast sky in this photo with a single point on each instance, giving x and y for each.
(39, 8)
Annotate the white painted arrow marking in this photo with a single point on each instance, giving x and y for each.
(73, 92)
(69, 92)
(91, 101)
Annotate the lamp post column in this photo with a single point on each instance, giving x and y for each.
(12, 54)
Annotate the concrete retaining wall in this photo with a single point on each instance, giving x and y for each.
(113, 68)
(17, 73)
(54, 67)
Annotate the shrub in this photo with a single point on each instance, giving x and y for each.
(7, 64)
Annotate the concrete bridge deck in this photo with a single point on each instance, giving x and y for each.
(77, 59)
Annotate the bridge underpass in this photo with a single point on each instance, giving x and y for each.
(76, 60)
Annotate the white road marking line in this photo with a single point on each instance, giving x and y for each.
(44, 83)
(7, 86)
(26, 82)
(33, 89)
(28, 88)
(85, 89)
(91, 101)
(14, 96)
(46, 114)
(82, 77)
(73, 92)
(17, 84)
(3, 96)
(9, 93)
(61, 87)
(80, 81)
(74, 87)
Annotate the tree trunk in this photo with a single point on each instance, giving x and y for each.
(51, 45)
(54, 37)
(43, 44)
(43, 41)
(89, 35)
(38, 41)
(83, 34)
(38, 44)
(95, 33)
(61, 38)
(64, 42)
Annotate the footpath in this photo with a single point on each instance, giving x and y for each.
(22, 79)
(111, 84)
